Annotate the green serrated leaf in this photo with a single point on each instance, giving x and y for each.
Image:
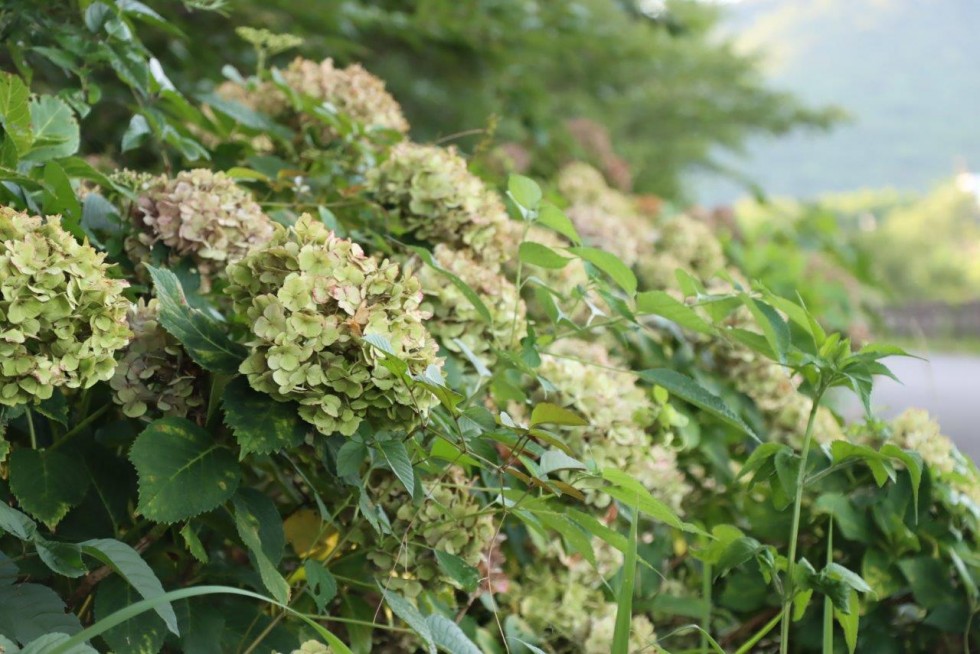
(689, 390)
(261, 425)
(204, 339)
(459, 570)
(15, 112)
(137, 132)
(611, 265)
(449, 637)
(555, 219)
(410, 615)
(541, 255)
(16, 523)
(546, 413)
(321, 583)
(631, 493)
(47, 483)
(553, 460)
(260, 527)
(30, 611)
(524, 190)
(182, 470)
(663, 304)
(193, 543)
(55, 130)
(396, 456)
(350, 456)
(63, 558)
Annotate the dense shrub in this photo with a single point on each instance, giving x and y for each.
(339, 393)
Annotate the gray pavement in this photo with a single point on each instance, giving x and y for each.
(946, 385)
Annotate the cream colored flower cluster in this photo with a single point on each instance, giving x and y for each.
(311, 298)
(683, 243)
(620, 416)
(352, 91)
(430, 193)
(447, 519)
(604, 217)
(62, 318)
(202, 215)
(455, 318)
(561, 599)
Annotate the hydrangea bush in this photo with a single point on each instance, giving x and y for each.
(315, 390)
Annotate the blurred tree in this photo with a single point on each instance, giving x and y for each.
(669, 89)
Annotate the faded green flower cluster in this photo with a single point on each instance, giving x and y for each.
(562, 601)
(620, 415)
(352, 91)
(311, 298)
(433, 195)
(684, 243)
(455, 318)
(155, 376)
(605, 217)
(62, 318)
(203, 215)
(447, 519)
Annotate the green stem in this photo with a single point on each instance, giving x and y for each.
(706, 598)
(77, 429)
(794, 534)
(828, 605)
(759, 635)
(30, 428)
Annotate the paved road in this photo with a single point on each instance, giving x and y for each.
(946, 385)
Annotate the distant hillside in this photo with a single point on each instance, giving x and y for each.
(908, 71)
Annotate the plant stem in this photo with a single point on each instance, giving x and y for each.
(795, 531)
(77, 429)
(30, 428)
(759, 635)
(706, 573)
(828, 605)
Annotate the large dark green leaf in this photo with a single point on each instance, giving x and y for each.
(29, 611)
(261, 425)
(46, 483)
(182, 470)
(203, 338)
(55, 130)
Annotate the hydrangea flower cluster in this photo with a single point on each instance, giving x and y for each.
(311, 298)
(620, 414)
(602, 215)
(155, 376)
(62, 318)
(433, 195)
(448, 519)
(352, 90)
(684, 243)
(455, 317)
(203, 215)
(562, 600)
